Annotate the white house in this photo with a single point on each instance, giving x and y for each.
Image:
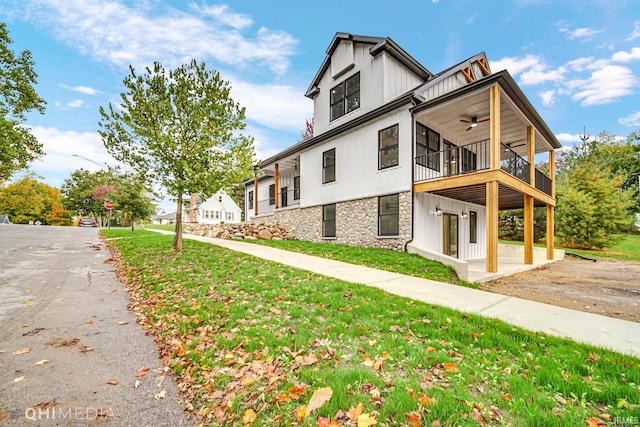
(402, 156)
(216, 209)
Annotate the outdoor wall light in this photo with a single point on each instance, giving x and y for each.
(465, 215)
(438, 211)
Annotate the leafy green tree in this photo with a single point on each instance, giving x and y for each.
(179, 128)
(78, 191)
(31, 200)
(18, 147)
(592, 207)
(133, 197)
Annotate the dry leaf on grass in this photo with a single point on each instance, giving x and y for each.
(249, 417)
(319, 398)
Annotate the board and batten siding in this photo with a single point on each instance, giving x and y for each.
(428, 227)
(357, 174)
(263, 198)
(382, 79)
(451, 83)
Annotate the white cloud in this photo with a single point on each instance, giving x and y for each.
(110, 31)
(274, 106)
(76, 103)
(238, 21)
(567, 137)
(548, 97)
(624, 57)
(631, 119)
(605, 85)
(82, 89)
(583, 34)
(531, 69)
(60, 147)
(635, 33)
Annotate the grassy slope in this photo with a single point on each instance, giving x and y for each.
(253, 340)
(383, 259)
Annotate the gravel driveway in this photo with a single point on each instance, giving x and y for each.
(70, 352)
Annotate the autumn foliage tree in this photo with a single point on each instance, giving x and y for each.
(179, 128)
(29, 199)
(18, 146)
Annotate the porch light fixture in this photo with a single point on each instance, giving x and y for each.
(438, 211)
(464, 215)
(295, 165)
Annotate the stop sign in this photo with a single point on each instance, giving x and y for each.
(108, 205)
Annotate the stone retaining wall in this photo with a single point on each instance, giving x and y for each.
(243, 230)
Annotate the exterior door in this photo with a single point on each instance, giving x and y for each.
(450, 234)
(283, 197)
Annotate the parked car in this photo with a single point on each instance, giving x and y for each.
(87, 222)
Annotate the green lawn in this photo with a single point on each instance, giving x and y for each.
(166, 227)
(254, 342)
(383, 259)
(628, 249)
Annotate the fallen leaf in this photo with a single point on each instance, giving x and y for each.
(122, 323)
(249, 417)
(88, 322)
(450, 367)
(301, 412)
(32, 332)
(137, 384)
(506, 396)
(413, 419)
(17, 380)
(319, 398)
(142, 372)
(42, 405)
(42, 362)
(86, 348)
(21, 351)
(247, 380)
(366, 420)
(478, 417)
(112, 382)
(160, 395)
(354, 413)
(595, 422)
(425, 400)
(326, 422)
(378, 364)
(560, 400)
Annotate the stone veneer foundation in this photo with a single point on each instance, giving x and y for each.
(356, 223)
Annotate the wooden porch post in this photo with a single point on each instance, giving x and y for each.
(255, 194)
(528, 229)
(494, 131)
(492, 226)
(550, 209)
(277, 185)
(531, 152)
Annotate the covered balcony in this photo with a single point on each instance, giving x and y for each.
(480, 147)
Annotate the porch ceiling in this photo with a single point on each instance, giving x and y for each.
(508, 198)
(513, 123)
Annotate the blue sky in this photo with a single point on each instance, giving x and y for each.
(578, 62)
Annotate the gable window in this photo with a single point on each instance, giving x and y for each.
(329, 221)
(329, 166)
(345, 97)
(272, 194)
(473, 227)
(250, 200)
(296, 188)
(388, 147)
(388, 215)
(427, 147)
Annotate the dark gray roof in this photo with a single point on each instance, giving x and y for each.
(379, 44)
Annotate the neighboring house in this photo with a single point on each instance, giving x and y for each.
(217, 209)
(4, 219)
(169, 218)
(403, 156)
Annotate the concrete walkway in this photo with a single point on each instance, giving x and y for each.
(606, 332)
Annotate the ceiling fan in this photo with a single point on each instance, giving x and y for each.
(473, 122)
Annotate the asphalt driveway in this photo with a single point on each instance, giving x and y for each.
(70, 351)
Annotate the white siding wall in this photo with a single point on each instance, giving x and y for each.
(428, 232)
(263, 199)
(212, 205)
(382, 79)
(357, 174)
(453, 82)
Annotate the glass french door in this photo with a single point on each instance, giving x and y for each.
(450, 234)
